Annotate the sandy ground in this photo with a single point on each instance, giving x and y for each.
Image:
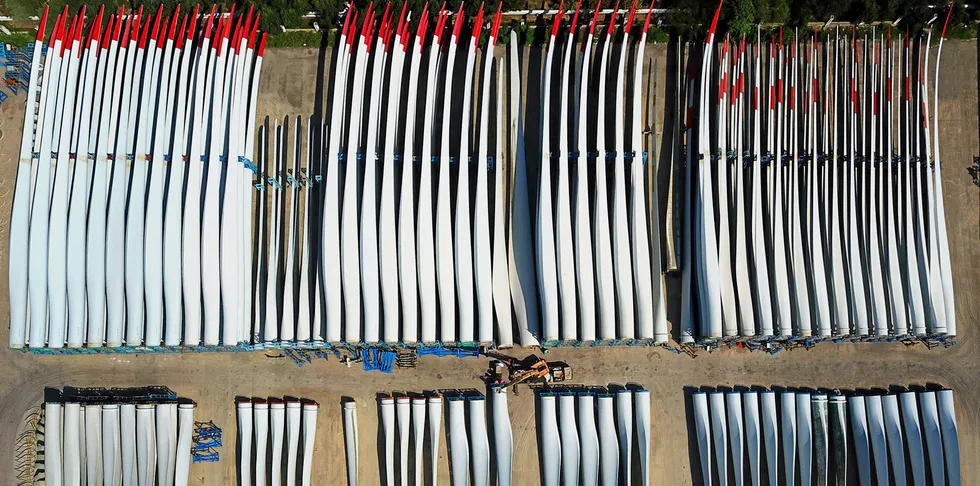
(214, 381)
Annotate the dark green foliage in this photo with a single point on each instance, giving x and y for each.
(763, 11)
(18, 38)
(297, 38)
(744, 22)
(869, 11)
(779, 12)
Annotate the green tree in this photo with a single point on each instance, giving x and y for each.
(762, 11)
(869, 11)
(780, 12)
(744, 21)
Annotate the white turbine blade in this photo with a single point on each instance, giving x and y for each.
(479, 442)
(93, 443)
(294, 414)
(309, 439)
(459, 450)
(622, 260)
(387, 407)
(418, 437)
(565, 254)
(879, 445)
(277, 429)
(245, 420)
(185, 424)
(951, 439)
(787, 405)
(589, 440)
(605, 283)
(72, 441)
(287, 324)
(387, 231)
(191, 245)
(736, 436)
(20, 210)
(111, 455)
(523, 280)
(38, 232)
(547, 269)
(550, 445)
(584, 269)
(173, 217)
(838, 436)
(146, 445)
(369, 259)
(753, 436)
(770, 434)
(407, 255)
(462, 232)
(54, 467)
(642, 409)
(648, 307)
(893, 433)
(482, 266)
(821, 443)
(404, 414)
(568, 433)
(859, 430)
(425, 237)
(501, 254)
(702, 428)
(804, 435)
(434, 412)
(503, 439)
(260, 417)
(719, 429)
(444, 255)
(934, 437)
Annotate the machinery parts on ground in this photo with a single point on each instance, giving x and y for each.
(207, 438)
(531, 370)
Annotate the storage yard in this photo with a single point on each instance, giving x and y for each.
(215, 380)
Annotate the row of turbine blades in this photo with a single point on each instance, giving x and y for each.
(772, 437)
(117, 443)
(423, 232)
(276, 441)
(129, 218)
(812, 192)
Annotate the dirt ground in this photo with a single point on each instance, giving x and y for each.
(214, 380)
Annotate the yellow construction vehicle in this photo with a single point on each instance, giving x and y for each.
(532, 370)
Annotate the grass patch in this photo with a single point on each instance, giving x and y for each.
(19, 39)
(299, 38)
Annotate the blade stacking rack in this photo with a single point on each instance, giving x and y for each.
(130, 227)
(116, 436)
(823, 437)
(812, 194)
